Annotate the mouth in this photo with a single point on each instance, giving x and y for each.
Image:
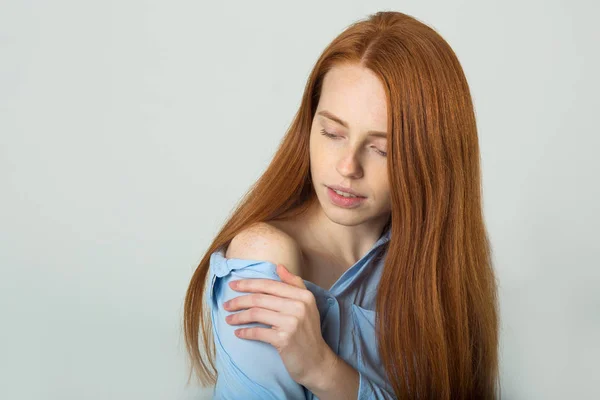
(344, 200)
(345, 192)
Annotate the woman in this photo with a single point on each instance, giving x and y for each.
(388, 293)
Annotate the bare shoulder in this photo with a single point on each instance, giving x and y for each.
(264, 241)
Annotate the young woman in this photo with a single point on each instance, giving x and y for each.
(373, 206)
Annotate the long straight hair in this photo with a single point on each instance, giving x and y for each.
(437, 316)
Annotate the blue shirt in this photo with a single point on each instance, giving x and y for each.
(251, 369)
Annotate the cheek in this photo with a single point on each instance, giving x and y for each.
(316, 152)
(382, 183)
(312, 144)
(315, 158)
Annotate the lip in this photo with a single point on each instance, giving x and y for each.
(345, 189)
(344, 202)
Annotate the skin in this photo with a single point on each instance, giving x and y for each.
(328, 234)
(352, 159)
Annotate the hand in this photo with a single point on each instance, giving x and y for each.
(291, 311)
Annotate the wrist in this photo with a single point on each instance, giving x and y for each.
(334, 379)
(323, 376)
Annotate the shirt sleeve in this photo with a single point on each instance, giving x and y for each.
(369, 390)
(246, 369)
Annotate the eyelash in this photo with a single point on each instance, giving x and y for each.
(329, 135)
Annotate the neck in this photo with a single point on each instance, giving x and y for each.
(342, 244)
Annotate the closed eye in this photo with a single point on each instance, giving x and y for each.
(328, 134)
(332, 136)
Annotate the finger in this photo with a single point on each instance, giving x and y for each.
(288, 277)
(267, 317)
(269, 286)
(267, 335)
(266, 301)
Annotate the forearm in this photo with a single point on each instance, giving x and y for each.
(337, 379)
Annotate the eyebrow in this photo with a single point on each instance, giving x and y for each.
(332, 117)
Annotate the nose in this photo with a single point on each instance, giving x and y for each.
(349, 165)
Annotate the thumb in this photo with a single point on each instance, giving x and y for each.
(283, 272)
(288, 277)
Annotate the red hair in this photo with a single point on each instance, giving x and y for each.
(437, 316)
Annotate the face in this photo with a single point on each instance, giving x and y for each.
(345, 151)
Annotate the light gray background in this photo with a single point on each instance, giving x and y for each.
(130, 129)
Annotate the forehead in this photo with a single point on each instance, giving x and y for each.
(356, 95)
